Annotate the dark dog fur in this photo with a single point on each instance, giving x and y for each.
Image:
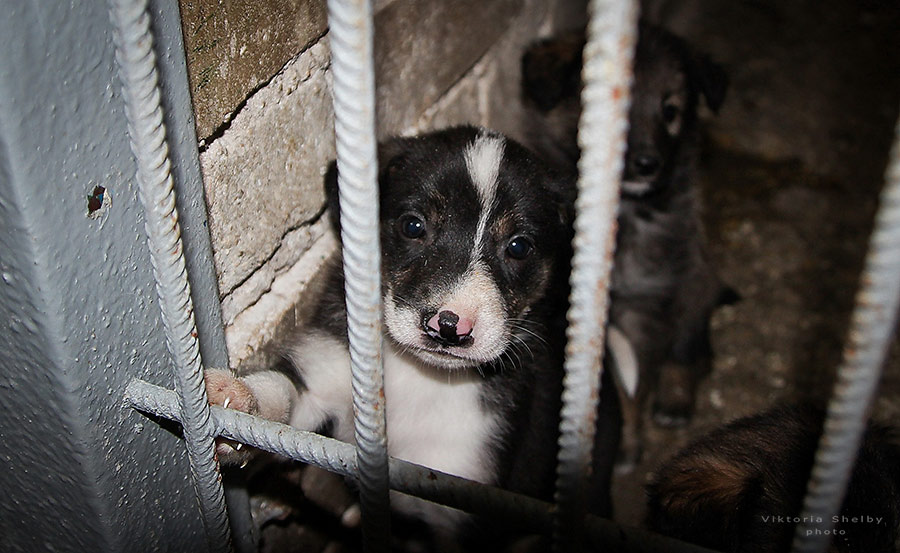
(475, 235)
(732, 489)
(664, 289)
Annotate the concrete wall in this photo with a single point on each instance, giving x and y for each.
(261, 82)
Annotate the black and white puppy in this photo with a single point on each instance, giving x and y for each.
(475, 235)
(741, 487)
(664, 289)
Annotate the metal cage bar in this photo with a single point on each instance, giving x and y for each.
(872, 325)
(147, 133)
(603, 126)
(351, 36)
(339, 457)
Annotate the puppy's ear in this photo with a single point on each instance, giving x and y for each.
(563, 190)
(710, 79)
(551, 70)
(389, 155)
(392, 155)
(331, 198)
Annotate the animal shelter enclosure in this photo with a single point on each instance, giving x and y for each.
(93, 255)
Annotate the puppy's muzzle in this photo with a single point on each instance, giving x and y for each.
(449, 329)
(644, 163)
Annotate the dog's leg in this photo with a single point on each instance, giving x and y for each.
(625, 369)
(268, 394)
(273, 396)
(691, 357)
(691, 360)
(676, 393)
(649, 341)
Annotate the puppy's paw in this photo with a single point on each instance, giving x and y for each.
(674, 405)
(631, 450)
(227, 390)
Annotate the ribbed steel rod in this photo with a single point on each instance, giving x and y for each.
(871, 328)
(530, 514)
(351, 37)
(138, 73)
(602, 130)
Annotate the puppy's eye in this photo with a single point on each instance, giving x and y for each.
(412, 226)
(519, 247)
(670, 113)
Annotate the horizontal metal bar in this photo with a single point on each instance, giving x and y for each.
(409, 478)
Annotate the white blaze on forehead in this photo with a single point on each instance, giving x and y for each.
(483, 157)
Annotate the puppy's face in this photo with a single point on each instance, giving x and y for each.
(471, 229)
(668, 79)
(661, 106)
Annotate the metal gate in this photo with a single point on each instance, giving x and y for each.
(168, 200)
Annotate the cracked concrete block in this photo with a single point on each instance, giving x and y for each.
(462, 104)
(234, 47)
(489, 94)
(423, 47)
(294, 244)
(277, 311)
(264, 175)
(502, 72)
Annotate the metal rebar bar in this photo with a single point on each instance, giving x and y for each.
(871, 328)
(147, 133)
(351, 38)
(529, 514)
(607, 75)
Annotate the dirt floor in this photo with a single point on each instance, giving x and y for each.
(791, 173)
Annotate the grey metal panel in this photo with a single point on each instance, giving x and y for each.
(78, 305)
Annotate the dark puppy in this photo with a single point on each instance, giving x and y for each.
(663, 287)
(475, 235)
(741, 487)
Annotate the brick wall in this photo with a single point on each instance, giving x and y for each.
(261, 86)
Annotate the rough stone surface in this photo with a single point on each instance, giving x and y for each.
(423, 47)
(234, 47)
(263, 176)
(460, 105)
(294, 244)
(277, 311)
(489, 94)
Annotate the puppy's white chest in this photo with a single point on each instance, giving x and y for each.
(435, 418)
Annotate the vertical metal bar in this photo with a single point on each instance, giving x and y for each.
(351, 39)
(137, 70)
(872, 325)
(181, 135)
(607, 74)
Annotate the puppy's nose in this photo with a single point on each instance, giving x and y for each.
(448, 328)
(645, 165)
